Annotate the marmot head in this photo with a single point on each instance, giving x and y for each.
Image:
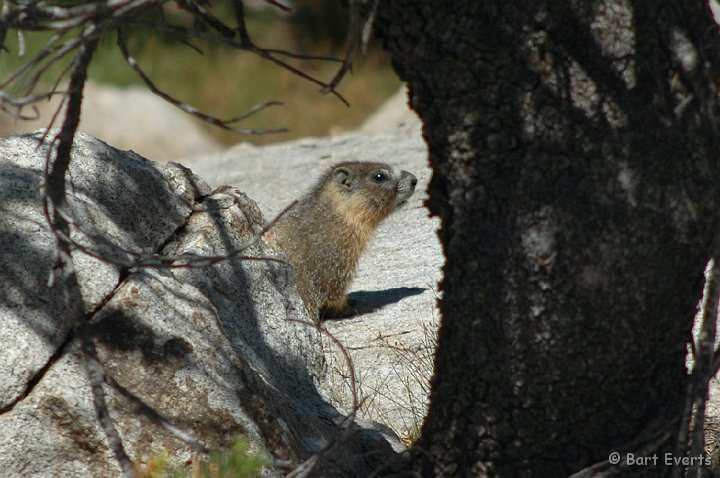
(367, 192)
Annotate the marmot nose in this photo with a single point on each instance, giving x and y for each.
(408, 178)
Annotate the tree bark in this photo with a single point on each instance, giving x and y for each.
(574, 148)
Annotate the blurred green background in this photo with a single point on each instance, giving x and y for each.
(226, 82)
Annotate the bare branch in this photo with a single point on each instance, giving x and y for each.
(203, 16)
(156, 261)
(224, 124)
(352, 42)
(64, 269)
(38, 16)
(68, 47)
(279, 5)
(239, 10)
(6, 99)
(180, 32)
(112, 15)
(56, 177)
(245, 43)
(54, 184)
(326, 86)
(367, 27)
(44, 52)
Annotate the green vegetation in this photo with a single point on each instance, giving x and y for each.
(236, 462)
(226, 82)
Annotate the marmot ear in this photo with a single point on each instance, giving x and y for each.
(342, 177)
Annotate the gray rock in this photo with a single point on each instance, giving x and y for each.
(393, 117)
(109, 189)
(392, 341)
(207, 352)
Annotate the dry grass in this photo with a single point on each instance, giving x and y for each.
(394, 389)
(412, 368)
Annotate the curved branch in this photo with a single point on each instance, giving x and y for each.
(224, 124)
(156, 261)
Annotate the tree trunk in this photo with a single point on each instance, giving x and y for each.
(574, 148)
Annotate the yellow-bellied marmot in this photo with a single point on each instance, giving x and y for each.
(325, 233)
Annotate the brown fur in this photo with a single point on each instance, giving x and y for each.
(325, 233)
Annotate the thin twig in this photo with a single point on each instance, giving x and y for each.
(59, 108)
(216, 40)
(368, 26)
(279, 5)
(326, 87)
(111, 15)
(65, 49)
(55, 178)
(44, 52)
(64, 266)
(352, 41)
(157, 261)
(224, 124)
(266, 53)
(38, 16)
(202, 15)
(239, 10)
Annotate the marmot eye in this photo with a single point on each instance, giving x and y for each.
(379, 177)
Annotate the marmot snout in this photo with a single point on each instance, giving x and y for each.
(325, 233)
